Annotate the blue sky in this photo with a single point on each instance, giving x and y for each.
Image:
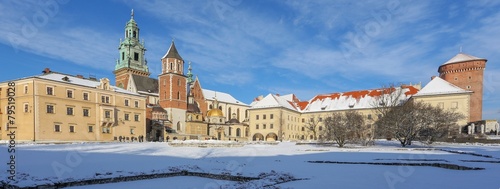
(251, 48)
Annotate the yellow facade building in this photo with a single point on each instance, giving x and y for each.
(61, 107)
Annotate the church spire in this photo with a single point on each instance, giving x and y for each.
(172, 52)
(131, 50)
(190, 74)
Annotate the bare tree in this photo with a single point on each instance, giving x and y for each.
(312, 126)
(441, 123)
(343, 127)
(417, 120)
(389, 96)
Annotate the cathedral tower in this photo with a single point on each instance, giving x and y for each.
(173, 87)
(132, 51)
(466, 72)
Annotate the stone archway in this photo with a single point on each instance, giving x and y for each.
(271, 137)
(258, 137)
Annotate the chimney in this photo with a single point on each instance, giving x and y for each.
(433, 77)
(277, 94)
(80, 76)
(46, 71)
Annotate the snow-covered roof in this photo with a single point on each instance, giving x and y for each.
(271, 101)
(221, 97)
(462, 57)
(54, 76)
(439, 86)
(355, 99)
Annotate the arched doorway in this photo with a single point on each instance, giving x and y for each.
(271, 137)
(258, 137)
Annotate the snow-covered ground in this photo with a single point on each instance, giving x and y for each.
(49, 163)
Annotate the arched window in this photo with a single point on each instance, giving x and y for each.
(210, 107)
(123, 55)
(178, 95)
(134, 34)
(220, 107)
(230, 129)
(171, 66)
(238, 114)
(179, 66)
(178, 126)
(229, 112)
(238, 132)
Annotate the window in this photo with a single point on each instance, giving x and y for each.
(69, 110)
(171, 66)
(136, 103)
(105, 99)
(134, 34)
(320, 119)
(303, 128)
(257, 117)
(85, 112)
(126, 102)
(369, 116)
(71, 129)
(132, 131)
(257, 126)
(105, 130)
(107, 114)
(26, 89)
(50, 91)
(136, 117)
(271, 116)
(126, 117)
(50, 109)
(136, 56)
(178, 95)
(456, 78)
(26, 106)
(85, 96)
(264, 116)
(69, 93)
(57, 128)
(271, 126)
(263, 126)
(303, 120)
(320, 128)
(91, 129)
(468, 86)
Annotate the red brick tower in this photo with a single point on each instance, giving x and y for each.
(466, 71)
(172, 81)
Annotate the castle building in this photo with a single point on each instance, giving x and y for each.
(60, 107)
(174, 105)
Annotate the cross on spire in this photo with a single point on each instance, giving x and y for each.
(132, 14)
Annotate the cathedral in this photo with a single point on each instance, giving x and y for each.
(177, 106)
